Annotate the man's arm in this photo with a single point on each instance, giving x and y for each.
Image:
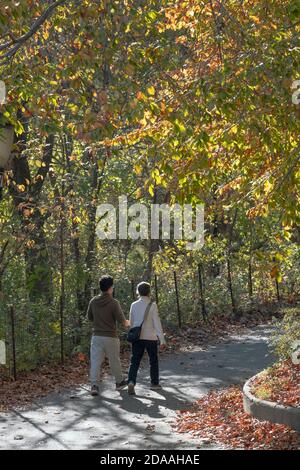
(120, 317)
(89, 312)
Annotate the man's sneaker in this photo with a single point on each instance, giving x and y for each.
(156, 387)
(94, 390)
(121, 385)
(131, 390)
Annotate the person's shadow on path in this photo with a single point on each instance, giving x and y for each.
(144, 403)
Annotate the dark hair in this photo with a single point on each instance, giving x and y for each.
(144, 288)
(105, 283)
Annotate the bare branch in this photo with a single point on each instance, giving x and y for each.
(16, 43)
(2, 253)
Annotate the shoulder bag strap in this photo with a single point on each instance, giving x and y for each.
(147, 312)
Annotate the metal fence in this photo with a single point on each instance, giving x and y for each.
(37, 333)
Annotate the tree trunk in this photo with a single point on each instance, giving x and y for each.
(96, 184)
(38, 270)
(152, 245)
(229, 270)
(201, 291)
(230, 288)
(250, 280)
(38, 267)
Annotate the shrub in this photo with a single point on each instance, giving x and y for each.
(286, 332)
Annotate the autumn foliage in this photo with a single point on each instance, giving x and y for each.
(220, 417)
(280, 383)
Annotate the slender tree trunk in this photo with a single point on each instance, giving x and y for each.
(201, 291)
(177, 300)
(67, 147)
(230, 287)
(38, 266)
(26, 202)
(62, 274)
(152, 246)
(250, 266)
(229, 267)
(250, 280)
(96, 185)
(277, 290)
(156, 288)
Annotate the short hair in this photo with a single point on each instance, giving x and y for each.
(105, 283)
(143, 288)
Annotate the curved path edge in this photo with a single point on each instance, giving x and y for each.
(269, 411)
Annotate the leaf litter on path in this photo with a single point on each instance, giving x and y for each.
(220, 417)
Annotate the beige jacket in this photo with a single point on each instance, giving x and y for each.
(152, 328)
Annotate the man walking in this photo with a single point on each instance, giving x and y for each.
(104, 312)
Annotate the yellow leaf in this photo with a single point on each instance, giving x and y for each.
(138, 169)
(151, 90)
(46, 34)
(254, 18)
(151, 190)
(268, 186)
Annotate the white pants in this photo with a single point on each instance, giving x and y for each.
(102, 346)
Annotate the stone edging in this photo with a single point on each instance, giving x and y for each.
(268, 410)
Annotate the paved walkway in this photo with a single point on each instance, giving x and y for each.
(74, 420)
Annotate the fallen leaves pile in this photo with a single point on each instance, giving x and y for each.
(280, 383)
(40, 382)
(220, 417)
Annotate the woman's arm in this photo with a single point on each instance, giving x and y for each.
(131, 317)
(157, 324)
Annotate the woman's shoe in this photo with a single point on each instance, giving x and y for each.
(94, 390)
(131, 390)
(155, 387)
(121, 385)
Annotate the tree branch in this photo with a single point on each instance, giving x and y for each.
(16, 43)
(3, 251)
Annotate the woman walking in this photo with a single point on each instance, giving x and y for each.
(144, 312)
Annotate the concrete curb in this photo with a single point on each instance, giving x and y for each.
(268, 410)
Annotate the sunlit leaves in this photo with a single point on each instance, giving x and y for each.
(220, 417)
(179, 126)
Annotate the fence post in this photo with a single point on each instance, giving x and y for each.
(62, 273)
(250, 280)
(177, 300)
(156, 290)
(13, 337)
(230, 288)
(277, 290)
(201, 289)
(61, 311)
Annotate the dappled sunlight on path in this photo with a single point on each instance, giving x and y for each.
(74, 420)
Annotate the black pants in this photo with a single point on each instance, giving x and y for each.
(138, 349)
